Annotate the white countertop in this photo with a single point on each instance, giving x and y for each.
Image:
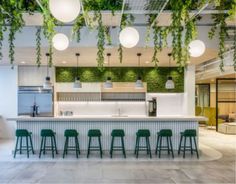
(110, 118)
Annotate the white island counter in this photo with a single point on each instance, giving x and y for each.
(106, 124)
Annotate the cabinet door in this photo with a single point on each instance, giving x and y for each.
(44, 101)
(25, 102)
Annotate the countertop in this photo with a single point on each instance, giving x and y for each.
(174, 118)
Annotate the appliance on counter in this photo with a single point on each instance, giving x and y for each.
(152, 107)
(35, 101)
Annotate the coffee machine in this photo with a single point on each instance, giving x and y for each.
(152, 107)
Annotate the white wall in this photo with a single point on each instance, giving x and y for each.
(8, 100)
(189, 91)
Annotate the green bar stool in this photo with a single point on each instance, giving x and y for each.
(20, 134)
(143, 133)
(191, 134)
(94, 133)
(48, 133)
(164, 133)
(117, 133)
(71, 133)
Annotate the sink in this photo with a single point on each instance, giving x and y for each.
(119, 115)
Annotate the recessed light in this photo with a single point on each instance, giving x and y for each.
(212, 80)
(22, 62)
(147, 62)
(64, 62)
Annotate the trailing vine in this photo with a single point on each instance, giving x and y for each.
(101, 42)
(79, 23)
(107, 35)
(234, 57)
(157, 44)
(126, 20)
(220, 21)
(38, 46)
(2, 29)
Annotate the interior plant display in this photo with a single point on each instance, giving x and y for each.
(220, 22)
(38, 46)
(157, 43)
(79, 23)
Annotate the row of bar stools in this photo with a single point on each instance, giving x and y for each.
(164, 133)
(71, 133)
(142, 133)
(20, 134)
(117, 133)
(48, 133)
(191, 134)
(94, 133)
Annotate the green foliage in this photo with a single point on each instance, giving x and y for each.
(157, 44)
(2, 29)
(98, 5)
(79, 23)
(38, 46)
(101, 42)
(155, 78)
(234, 57)
(220, 21)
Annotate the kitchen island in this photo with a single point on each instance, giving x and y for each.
(106, 124)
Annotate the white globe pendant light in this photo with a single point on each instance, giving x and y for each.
(129, 37)
(197, 48)
(60, 41)
(64, 10)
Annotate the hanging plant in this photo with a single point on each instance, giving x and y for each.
(101, 42)
(220, 21)
(108, 35)
(38, 46)
(126, 20)
(232, 11)
(157, 44)
(151, 19)
(2, 29)
(79, 23)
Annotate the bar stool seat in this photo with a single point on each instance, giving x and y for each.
(23, 133)
(191, 134)
(143, 133)
(71, 133)
(94, 133)
(117, 133)
(48, 133)
(164, 133)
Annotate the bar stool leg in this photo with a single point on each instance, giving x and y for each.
(89, 147)
(31, 144)
(136, 145)
(158, 137)
(111, 150)
(100, 146)
(20, 145)
(41, 147)
(196, 147)
(184, 146)
(64, 152)
(137, 151)
(168, 146)
(54, 138)
(44, 145)
(149, 147)
(76, 148)
(123, 146)
(181, 138)
(16, 147)
(27, 146)
(52, 147)
(160, 147)
(171, 147)
(191, 145)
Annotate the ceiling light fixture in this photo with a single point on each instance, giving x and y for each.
(108, 84)
(47, 84)
(169, 83)
(129, 37)
(197, 48)
(139, 83)
(60, 41)
(64, 10)
(77, 83)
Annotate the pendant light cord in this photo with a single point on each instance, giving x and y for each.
(108, 58)
(139, 55)
(47, 54)
(169, 54)
(77, 69)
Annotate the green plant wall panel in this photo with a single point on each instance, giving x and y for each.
(155, 78)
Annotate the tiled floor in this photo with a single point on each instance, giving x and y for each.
(216, 165)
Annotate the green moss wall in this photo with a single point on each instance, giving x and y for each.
(155, 78)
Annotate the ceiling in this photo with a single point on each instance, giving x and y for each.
(213, 79)
(26, 56)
